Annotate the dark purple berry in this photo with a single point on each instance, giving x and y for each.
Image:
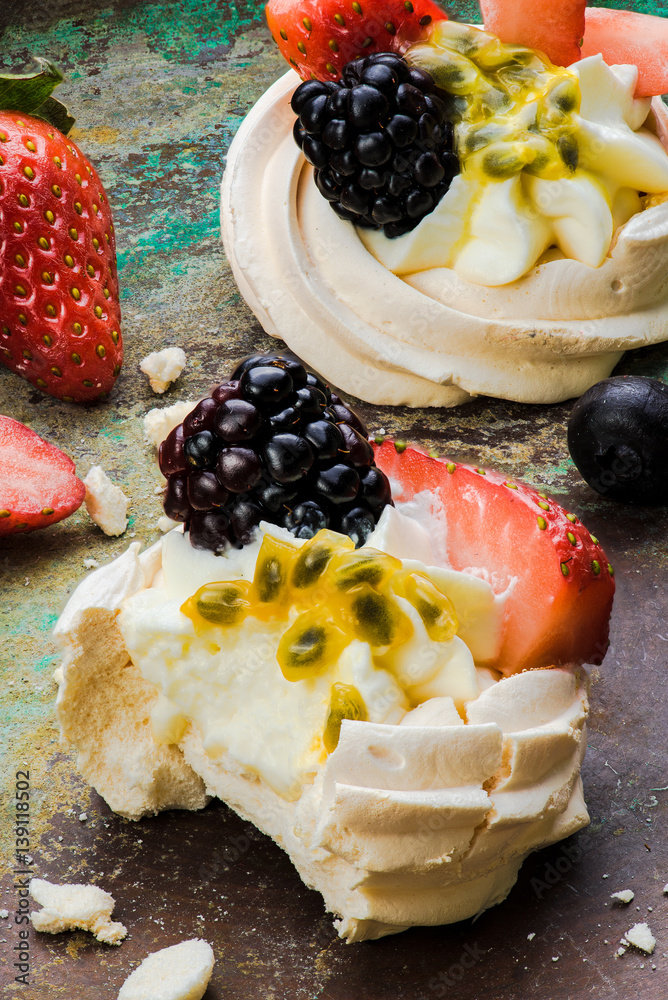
(337, 134)
(318, 383)
(338, 483)
(288, 457)
(222, 483)
(325, 437)
(205, 492)
(201, 450)
(266, 386)
(299, 133)
(210, 530)
(175, 499)
(429, 170)
(201, 418)
(373, 149)
(295, 368)
(384, 130)
(171, 456)
(367, 106)
(244, 519)
(355, 199)
(306, 519)
(314, 114)
(355, 448)
(277, 495)
(380, 76)
(285, 420)
(226, 390)
(327, 186)
(358, 523)
(344, 163)
(237, 420)
(315, 151)
(238, 469)
(374, 488)
(305, 92)
(410, 100)
(310, 400)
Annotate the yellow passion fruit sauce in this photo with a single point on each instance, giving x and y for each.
(513, 110)
(340, 594)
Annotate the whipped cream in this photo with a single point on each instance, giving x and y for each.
(422, 814)
(492, 232)
(433, 337)
(215, 678)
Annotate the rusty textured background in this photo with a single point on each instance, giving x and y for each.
(158, 90)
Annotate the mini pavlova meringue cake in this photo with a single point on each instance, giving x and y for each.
(484, 219)
(383, 674)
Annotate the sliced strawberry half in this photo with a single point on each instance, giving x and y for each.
(554, 27)
(318, 37)
(38, 483)
(559, 609)
(624, 37)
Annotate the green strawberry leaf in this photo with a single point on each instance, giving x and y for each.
(56, 114)
(30, 93)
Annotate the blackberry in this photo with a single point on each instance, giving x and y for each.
(380, 142)
(274, 444)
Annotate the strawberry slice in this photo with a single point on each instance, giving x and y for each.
(38, 485)
(318, 37)
(554, 27)
(624, 37)
(559, 609)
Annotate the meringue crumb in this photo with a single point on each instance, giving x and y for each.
(166, 524)
(83, 817)
(531, 936)
(159, 421)
(640, 936)
(624, 896)
(181, 972)
(90, 563)
(4, 914)
(163, 367)
(75, 907)
(106, 504)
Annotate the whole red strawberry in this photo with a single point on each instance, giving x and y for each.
(59, 309)
(318, 37)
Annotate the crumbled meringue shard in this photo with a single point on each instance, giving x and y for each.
(527, 289)
(422, 814)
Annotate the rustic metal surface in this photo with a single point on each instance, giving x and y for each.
(159, 89)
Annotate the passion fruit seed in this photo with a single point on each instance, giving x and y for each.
(376, 619)
(314, 557)
(271, 573)
(350, 569)
(223, 604)
(345, 703)
(434, 608)
(310, 645)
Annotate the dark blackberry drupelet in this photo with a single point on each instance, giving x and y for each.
(272, 444)
(380, 142)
